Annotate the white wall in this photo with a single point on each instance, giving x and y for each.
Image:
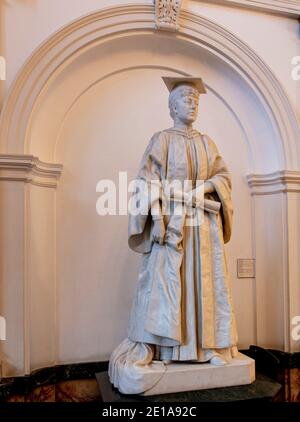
(41, 276)
(27, 23)
(12, 282)
(275, 38)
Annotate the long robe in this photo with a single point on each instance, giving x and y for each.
(183, 303)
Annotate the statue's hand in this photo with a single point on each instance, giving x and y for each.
(159, 231)
(197, 195)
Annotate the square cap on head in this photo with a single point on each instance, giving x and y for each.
(173, 82)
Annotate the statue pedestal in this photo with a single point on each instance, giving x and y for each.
(159, 379)
(180, 377)
(261, 390)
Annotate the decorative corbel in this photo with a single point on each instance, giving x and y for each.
(167, 14)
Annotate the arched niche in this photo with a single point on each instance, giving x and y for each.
(90, 98)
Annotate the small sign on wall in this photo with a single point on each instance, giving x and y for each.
(245, 268)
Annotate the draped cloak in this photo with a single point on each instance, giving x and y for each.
(183, 302)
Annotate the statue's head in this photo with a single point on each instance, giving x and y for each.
(183, 103)
(184, 98)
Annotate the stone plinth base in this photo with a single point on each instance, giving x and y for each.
(180, 377)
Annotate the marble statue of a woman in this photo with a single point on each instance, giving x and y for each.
(182, 309)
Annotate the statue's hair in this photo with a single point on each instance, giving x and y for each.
(178, 92)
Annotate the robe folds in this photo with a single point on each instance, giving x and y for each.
(183, 303)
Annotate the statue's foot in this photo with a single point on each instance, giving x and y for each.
(218, 361)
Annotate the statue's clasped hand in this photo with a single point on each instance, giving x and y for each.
(196, 197)
(159, 230)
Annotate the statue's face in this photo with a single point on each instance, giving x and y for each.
(187, 108)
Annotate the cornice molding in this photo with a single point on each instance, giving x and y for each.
(29, 169)
(277, 182)
(281, 7)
